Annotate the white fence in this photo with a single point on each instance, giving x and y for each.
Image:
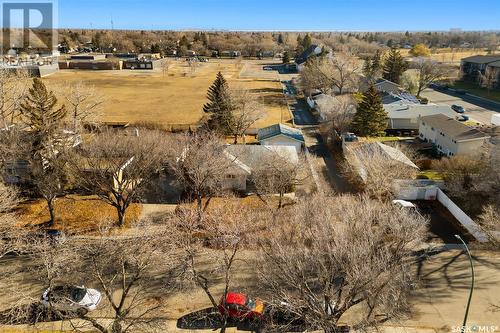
(463, 218)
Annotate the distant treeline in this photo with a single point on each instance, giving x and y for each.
(252, 44)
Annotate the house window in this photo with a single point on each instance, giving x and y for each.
(230, 176)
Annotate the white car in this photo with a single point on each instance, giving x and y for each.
(404, 204)
(68, 297)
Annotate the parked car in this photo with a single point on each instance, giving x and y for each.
(403, 204)
(463, 118)
(240, 306)
(71, 298)
(458, 108)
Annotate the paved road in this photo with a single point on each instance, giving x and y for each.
(477, 110)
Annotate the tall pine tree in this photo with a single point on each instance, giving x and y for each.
(394, 66)
(40, 112)
(219, 107)
(370, 118)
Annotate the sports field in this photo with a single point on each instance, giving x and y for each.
(177, 97)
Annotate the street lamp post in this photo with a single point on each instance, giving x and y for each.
(472, 282)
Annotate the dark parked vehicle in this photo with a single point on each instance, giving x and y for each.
(458, 108)
(463, 118)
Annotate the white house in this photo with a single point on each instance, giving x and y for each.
(405, 117)
(247, 158)
(450, 136)
(281, 135)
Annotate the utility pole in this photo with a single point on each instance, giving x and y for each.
(472, 282)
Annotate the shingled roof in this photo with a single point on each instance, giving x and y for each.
(280, 129)
(481, 59)
(453, 128)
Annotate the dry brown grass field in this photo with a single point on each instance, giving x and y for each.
(449, 55)
(177, 97)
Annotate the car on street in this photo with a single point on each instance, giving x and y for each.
(458, 108)
(463, 118)
(71, 298)
(239, 306)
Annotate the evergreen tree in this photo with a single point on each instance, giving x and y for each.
(280, 39)
(306, 42)
(39, 110)
(370, 118)
(220, 106)
(394, 66)
(372, 66)
(286, 57)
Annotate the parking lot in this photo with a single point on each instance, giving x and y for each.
(480, 112)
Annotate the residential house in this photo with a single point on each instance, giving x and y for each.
(281, 135)
(248, 158)
(357, 154)
(230, 54)
(471, 68)
(313, 50)
(403, 119)
(387, 87)
(320, 104)
(450, 136)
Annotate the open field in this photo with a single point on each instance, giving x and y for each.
(176, 98)
(449, 55)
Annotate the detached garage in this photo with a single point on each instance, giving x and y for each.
(281, 135)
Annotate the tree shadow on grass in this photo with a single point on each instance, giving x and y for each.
(33, 313)
(275, 321)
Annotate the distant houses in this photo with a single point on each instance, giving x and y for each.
(451, 137)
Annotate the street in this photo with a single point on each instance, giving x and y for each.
(481, 112)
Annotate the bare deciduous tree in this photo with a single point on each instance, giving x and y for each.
(118, 167)
(84, 103)
(428, 72)
(278, 174)
(489, 79)
(375, 170)
(331, 255)
(219, 239)
(13, 87)
(340, 113)
(247, 110)
(199, 162)
(8, 227)
(338, 72)
(165, 65)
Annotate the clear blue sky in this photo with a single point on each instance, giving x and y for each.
(365, 15)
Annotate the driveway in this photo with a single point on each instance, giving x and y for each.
(477, 110)
(326, 168)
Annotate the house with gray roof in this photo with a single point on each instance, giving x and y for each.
(246, 159)
(311, 51)
(451, 137)
(281, 135)
(405, 117)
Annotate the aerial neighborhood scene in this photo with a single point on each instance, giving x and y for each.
(250, 166)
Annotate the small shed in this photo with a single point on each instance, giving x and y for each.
(281, 135)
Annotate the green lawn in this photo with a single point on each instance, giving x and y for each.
(494, 94)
